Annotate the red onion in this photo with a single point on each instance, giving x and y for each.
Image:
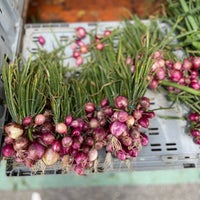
(121, 102)
(8, 140)
(76, 144)
(56, 146)
(78, 169)
(81, 158)
(108, 111)
(100, 115)
(144, 103)
(177, 65)
(13, 130)
(93, 154)
(144, 139)
(79, 60)
(50, 157)
(197, 140)
(160, 73)
(117, 128)
(122, 116)
(41, 40)
(48, 138)
(86, 149)
(133, 152)
(94, 123)
(130, 121)
(39, 119)
(175, 75)
(83, 49)
(20, 143)
(196, 62)
(98, 145)
(137, 114)
(89, 141)
(68, 120)
(121, 155)
(153, 84)
(81, 32)
(195, 85)
(127, 141)
(107, 33)
(61, 128)
(66, 141)
(47, 127)
(27, 121)
(144, 122)
(149, 114)
(104, 102)
(7, 150)
(76, 54)
(99, 134)
(35, 151)
(187, 64)
(100, 46)
(194, 117)
(195, 132)
(89, 107)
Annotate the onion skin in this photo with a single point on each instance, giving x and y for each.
(13, 130)
(50, 157)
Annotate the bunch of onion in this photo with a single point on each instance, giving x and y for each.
(180, 79)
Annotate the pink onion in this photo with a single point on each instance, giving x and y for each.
(160, 73)
(79, 60)
(89, 141)
(107, 33)
(122, 116)
(133, 152)
(99, 134)
(130, 121)
(175, 75)
(104, 102)
(8, 140)
(144, 102)
(8, 150)
(50, 157)
(78, 169)
(187, 64)
(81, 158)
(13, 130)
(137, 114)
(100, 46)
(196, 62)
(197, 140)
(83, 49)
(194, 117)
(108, 111)
(127, 141)
(195, 85)
(117, 128)
(94, 123)
(76, 54)
(177, 65)
(47, 127)
(98, 145)
(121, 155)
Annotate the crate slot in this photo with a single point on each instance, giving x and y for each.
(170, 144)
(156, 149)
(153, 133)
(155, 145)
(92, 24)
(189, 165)
(34, 50)
(171, 149)
(3, 39)
(64, 38)
(152, 103)
(1, 11)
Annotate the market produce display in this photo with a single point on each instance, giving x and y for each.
(69, 114)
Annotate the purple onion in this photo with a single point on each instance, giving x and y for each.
(177, 65)
(99, 134)
(104, 102)
(137, 114)
(100, 46)
(89, 141)
(76, 132)
(39, 119)
(117, 128)
(41, 40)
(76, 54)
(61, 128)
(107, 33)
(187, 64)
(100, 115)
(144, 102)
(47, 127)
(160, 73)
(175, 75)
(8, 140)
(196, 62)
(78, 169)
(81, 158)
(194, 117)
(108, 111)
(195, 132)
(127, 141)
(98, 145)
(197, 140)
(133, 152)
(81, 32)
(79, 60)
(76, 144)
(94, 123)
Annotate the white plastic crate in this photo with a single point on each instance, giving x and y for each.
(169, 144)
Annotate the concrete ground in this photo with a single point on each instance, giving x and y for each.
(163, 192)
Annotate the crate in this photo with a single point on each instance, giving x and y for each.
(170, 146)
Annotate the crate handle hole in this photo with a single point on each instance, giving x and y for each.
(1, 11)
(2, 38)
(189, 165)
